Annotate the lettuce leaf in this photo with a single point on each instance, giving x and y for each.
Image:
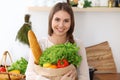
(68, 51)
(20, 64)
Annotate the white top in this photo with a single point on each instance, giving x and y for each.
(83, 70)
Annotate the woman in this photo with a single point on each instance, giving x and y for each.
(61, 27)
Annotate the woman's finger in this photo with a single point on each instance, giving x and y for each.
(66, 76)
(69, 73)
(73, 75)
(73, 78)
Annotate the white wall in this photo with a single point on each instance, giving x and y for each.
(91, 27)
(11, 19)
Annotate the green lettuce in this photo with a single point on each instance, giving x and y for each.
(20, 64)
(67, 51)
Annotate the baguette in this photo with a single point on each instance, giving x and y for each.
(34, 45)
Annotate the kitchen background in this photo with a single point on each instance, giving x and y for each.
(91, 27)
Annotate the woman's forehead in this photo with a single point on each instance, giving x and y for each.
(62, 13)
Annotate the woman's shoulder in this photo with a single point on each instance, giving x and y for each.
(78, 41)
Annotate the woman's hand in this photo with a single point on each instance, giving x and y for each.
(71, 75)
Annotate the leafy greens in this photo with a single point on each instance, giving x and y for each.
(67, 51)
(20, 64)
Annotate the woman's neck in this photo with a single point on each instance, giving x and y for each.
(58, 39)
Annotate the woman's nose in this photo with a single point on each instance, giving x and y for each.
(61, 24)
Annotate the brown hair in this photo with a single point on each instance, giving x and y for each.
(66, 7)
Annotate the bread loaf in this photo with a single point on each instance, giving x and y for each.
(34, 45)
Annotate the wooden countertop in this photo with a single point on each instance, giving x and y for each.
(106, 76)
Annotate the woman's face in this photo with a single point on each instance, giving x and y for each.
(61, 23)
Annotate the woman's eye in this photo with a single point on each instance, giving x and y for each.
(57, 19)
(66, 20)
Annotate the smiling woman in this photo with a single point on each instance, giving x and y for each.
(60, 44)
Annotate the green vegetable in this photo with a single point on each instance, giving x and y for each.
(67, 51)
(20, 64)
(22, 34)
(87, 3)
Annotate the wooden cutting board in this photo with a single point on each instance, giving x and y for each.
(100, 57)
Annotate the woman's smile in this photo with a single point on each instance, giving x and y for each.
(60, 29)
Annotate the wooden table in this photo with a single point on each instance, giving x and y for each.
(106, 76)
